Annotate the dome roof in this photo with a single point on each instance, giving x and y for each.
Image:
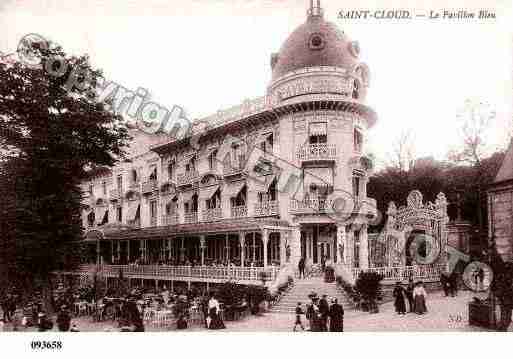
(315, 43)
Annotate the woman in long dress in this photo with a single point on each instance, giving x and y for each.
(419, 298)
(214, 308)
(399, 303)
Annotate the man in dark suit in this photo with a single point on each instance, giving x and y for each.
(336, 317)
(324, 310)
(301, 267)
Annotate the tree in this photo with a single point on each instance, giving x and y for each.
(55, 132)
(475, 119)
(403, 150)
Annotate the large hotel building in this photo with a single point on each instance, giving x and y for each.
(257, 186)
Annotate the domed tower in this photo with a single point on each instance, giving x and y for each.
(318, 90)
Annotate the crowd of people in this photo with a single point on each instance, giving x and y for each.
(321, 316)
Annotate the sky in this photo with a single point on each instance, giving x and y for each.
(206, 55)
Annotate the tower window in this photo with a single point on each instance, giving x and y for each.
(357, 140)
(318, 133)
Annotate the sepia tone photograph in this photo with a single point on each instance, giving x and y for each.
(255, 166)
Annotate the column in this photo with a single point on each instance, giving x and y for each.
(112, 251)
(128, 251)
(182, 250)
(227, 248)
(254, 248)
(202, 249)
(98, 252)
(293, 238)
(283, 257)
(341, 244)
(364, 248)
(265, 239)
(242, 250)
(349, 248)
(119, 251)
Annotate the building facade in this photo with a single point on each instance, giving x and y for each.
(259, 185)
(500, 208)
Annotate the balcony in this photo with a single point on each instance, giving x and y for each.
(310, 205)
(187, 178)
(317, 152)
(191, 217)
(170, 219)
(239, 211)
(212, 214)
(268, 208)
(234, 168)
(203, 273)
(149, 186)
(323, 205)
(136, 223)
(115, 194)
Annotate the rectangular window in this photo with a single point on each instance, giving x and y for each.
(356, 186)
(119, 214)
(153, 175)
(357, 140)
(212, 159)
(318, 133)
(120, 183)
(170, 170)
(91, 189)
(356, 258)
(104, 187)
(153, 209)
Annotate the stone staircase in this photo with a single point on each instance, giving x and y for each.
(302, 288)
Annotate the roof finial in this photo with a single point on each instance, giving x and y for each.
(315, 8)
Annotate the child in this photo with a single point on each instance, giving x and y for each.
(299, 311)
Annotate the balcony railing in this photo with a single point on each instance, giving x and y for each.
(170, 219)
(363, 206)
(136, 223)
(212, 214)
(317, 151)
(234, 168)
(267, 208)
(115, 194)
(186, 178)
(239, 211)
(216, 274)
(149, 186)
(427, 273)
(310, 205)
(153, 221)
(191, 217)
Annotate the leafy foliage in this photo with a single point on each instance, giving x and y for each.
(55, 133)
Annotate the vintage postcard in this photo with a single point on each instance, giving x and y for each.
(255, 166)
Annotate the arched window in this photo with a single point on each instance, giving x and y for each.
(356, 89)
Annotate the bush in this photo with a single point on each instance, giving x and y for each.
(368, 286)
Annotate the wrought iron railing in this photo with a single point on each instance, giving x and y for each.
(170, 219)
(310, 205)
(115, 194)
(266, 208)
(191, 217)
(252, 274)
(212, 214)
(239, 211)
(317, 151)
(429, 272)
(187, 178)
(149, 186)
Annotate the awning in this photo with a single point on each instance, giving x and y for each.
(318, 128)
(105, 218)
(99, 213)
(263, 183)
(233, 189)
(132, 210)
(208, 192)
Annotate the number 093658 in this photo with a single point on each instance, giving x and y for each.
(46, 345)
